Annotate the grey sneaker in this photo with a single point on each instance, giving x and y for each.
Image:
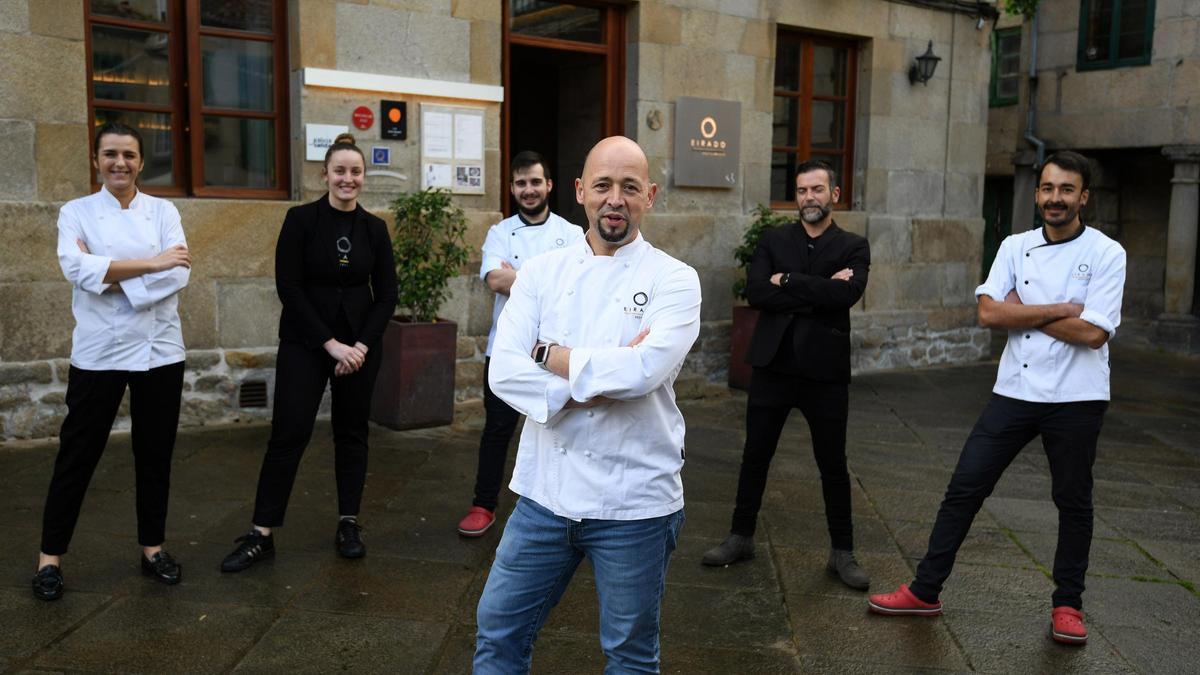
(734, 548)
(843, 566)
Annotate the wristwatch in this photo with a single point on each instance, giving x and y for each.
(541, 354)
(784, 279)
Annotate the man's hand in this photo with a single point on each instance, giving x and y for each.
(843, 274)
(82, 246)
(637, 340)
(349, 359)
(777, 279)
(501, 280)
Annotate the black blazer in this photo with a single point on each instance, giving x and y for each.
(818, 306)
(311, 284)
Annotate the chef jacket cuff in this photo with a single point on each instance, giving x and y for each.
(1100, 321)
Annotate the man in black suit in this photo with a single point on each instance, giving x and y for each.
(804, 279)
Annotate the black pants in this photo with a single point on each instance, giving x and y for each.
(1069, 433)
(825, 406)
(300, 378)
(93, 398)
(498, 427)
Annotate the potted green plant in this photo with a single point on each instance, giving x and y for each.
(745, 317)
(416, 376)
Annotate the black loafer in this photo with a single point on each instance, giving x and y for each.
(251, 548)
(348, 539)
(48, 583)
(162, 567)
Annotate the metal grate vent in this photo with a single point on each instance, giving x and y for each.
(252, 394)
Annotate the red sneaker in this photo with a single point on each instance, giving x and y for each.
(1066, 626)
(476, 522)
(901, 603)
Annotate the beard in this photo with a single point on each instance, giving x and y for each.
(1068, 216)
(814, 213)
(536, 209)
(612, 235)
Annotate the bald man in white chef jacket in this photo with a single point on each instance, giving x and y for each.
(588, 348)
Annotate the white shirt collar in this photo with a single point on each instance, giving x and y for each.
(631, 249)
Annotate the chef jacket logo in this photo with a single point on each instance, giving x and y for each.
(639, 304)
(559, 241)
(1082, 273)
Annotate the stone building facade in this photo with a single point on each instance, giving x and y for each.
(913, 154)
(1133, 106)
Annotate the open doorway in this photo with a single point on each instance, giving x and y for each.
(562, 83)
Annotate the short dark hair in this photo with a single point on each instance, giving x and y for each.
(1072, 162)
(116, 129)
(818, 165)
(526, 159)
(344, 141)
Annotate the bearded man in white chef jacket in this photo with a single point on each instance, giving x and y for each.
(588, 348)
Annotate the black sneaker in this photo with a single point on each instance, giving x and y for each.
(348, 539)
(162, 567)
(251, 548)
(48, 583)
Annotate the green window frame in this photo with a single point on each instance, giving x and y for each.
(1107, 21)
(1006, 68)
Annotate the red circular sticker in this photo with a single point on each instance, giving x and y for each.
(363, 117)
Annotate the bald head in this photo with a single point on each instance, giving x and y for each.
(615, 191)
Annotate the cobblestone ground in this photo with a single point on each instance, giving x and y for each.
(409, 606)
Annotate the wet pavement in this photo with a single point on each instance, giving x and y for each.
(409, 605)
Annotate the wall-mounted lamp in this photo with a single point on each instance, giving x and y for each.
(922, 70)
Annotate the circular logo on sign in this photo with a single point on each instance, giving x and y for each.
(394, 115)
(363, 117)
(1083, 267)
(708, 127)
(640, 299)
(559, 241)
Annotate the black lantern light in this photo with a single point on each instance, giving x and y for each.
(922, 70)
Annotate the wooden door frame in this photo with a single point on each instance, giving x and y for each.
(612, 48)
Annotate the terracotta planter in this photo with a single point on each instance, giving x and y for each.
(744, 320)
(416, 377)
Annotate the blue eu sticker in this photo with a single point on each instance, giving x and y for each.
(381, 156)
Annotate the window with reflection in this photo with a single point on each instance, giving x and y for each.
(1006, 67)
(813, 115)
(204, 81)
(1115, 33)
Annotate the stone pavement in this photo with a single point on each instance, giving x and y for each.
(409, 606)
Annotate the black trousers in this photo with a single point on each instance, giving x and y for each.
(500, 423)
(301, 375)
(1069, 433)
(93, 398)
(825, 407)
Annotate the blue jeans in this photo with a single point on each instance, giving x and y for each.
(535, 561)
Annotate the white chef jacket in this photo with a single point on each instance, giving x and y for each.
(514, 240)
(619, 460)
(1089, 269)
(138, 329)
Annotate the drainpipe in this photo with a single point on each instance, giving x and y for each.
(1031, 112)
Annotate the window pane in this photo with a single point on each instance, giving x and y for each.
(237, 73)
(1009, 87)
(787, 64)
(787, 116)
(1132, 41)
(155, 129)
(139, 10)
(130, 65)
(828, 119)
(556, 20)
(1010, 65)
(783, 176)
(1098, 30)
(829, 71)
(239, 152)
(251, 15)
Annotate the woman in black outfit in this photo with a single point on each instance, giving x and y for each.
(337, 280)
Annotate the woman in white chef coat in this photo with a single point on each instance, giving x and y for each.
(124, 253)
